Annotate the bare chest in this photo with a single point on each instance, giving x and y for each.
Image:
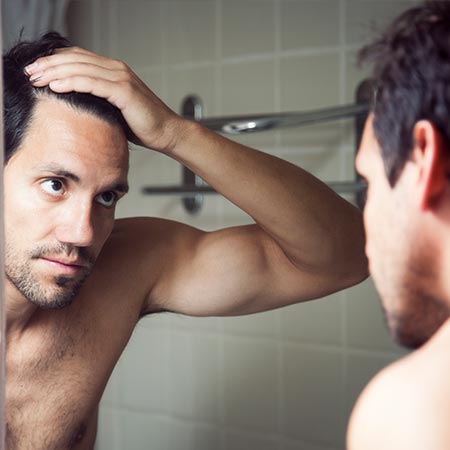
(55, 380)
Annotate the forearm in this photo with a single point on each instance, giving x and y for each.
(312, 224)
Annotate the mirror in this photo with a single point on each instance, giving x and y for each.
(285, 379)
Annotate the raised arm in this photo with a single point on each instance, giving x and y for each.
(307, 241)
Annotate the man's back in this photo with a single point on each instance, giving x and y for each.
(405, 407)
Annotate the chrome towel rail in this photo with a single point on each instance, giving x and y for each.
(341, 187)
(264, 122)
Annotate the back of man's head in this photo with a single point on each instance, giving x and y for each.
(20, 96)
(412, 80)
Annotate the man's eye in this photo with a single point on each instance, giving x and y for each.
(106, 198)
(53, 186)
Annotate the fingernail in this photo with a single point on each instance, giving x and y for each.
(36, 77)
(30, 68)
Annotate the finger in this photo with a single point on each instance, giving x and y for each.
(61, 71)
(70, 56)
(84, 84)
(73, 49)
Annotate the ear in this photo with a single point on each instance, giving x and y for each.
(431, 158)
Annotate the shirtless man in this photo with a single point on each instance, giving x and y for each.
(405, 157)
(78, 281)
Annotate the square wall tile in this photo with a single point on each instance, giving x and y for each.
(319, 139)
(325, 164)
(147, 168)
(235, 440)
(309, 23)
(317, 321)
(138, 34)
(365, 320)
(366, 19)
(263, 324)
(184, 435)
(198, 81)
(109, 429)
(309, 82)
(248, 87)
(313, 395)
(143, 431)
(153, 78)
(251, 391)
(193, 377)
(190, 31)
(237, 15)
(144, 371)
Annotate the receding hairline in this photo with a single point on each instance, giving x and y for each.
(43, 97)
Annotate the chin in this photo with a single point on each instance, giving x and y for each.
(56, 300)
(415, 329)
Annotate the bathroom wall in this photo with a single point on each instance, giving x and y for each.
(281, 380)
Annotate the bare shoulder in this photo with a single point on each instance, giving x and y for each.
(406, 406)
(141, 250)
(144, 233)
(146, 243)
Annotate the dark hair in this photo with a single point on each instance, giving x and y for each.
(412, 80)
(20, 96)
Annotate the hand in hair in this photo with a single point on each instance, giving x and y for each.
(153, 124)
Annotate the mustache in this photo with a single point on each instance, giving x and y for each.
(81, 254)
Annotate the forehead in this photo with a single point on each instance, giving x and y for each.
(369, 152)
(61, 133)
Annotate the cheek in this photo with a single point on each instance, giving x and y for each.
(103, 227)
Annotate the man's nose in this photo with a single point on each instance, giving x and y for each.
(76, 225)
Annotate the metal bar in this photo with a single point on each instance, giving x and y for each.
(264, 122)
(341, 187)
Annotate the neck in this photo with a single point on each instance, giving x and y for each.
(18, 310)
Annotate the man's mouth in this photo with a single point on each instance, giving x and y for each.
(68, 266)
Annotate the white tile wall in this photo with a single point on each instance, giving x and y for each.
(236, 18)
(308, 24)
(282, 380)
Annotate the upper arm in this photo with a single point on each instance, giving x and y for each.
(232, 271)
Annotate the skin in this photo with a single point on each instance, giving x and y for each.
(407, 225)
(306, 242)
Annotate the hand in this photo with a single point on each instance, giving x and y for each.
(153, 124)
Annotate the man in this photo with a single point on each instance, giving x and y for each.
(78, 281)
(405, 157)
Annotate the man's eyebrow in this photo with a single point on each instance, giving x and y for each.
(119, 187)
(58, 170)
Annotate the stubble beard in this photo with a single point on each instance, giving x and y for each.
(62, 289)
(419, 310)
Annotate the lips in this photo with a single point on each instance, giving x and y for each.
(65, 265)
(67, 262)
